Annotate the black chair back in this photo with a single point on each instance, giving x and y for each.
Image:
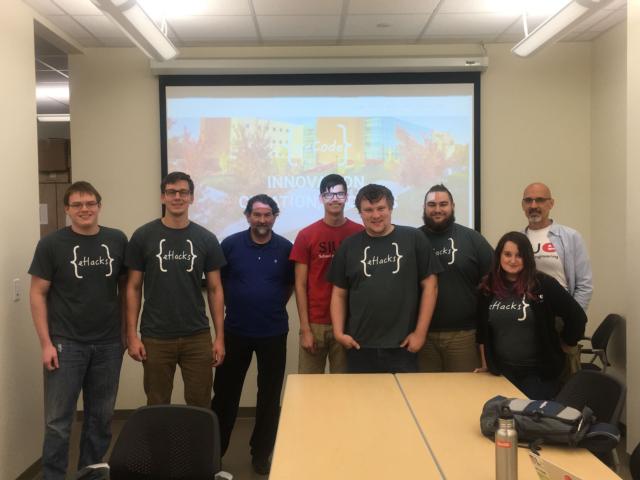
(634, 463)
(167, 442)
(599, 391)
(602, 335)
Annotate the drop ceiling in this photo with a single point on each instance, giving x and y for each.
(306, 22)
(333, 22)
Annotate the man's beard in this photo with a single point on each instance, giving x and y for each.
(438, 227)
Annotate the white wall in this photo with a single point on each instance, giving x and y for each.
(20, 376)
(632, 259)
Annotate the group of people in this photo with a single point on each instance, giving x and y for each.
(376, 297)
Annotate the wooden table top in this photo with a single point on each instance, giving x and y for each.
(348, 427)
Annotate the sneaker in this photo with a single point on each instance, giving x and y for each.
(261, 466)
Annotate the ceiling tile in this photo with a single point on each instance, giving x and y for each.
(398, 25)
(470, 24)
(45, 7)
(532, 23)
(194, 8)
(373, 7)
(509, 38)
(453, 38)
(78, 7)
(616, 4)
(116, 41)
(479, 6)
(585, 36)
(213, 27)
(534, 7)
(90, 42)
(69, 25)
(572, 36)
(606, 23)
(99, 25)
(298, 26)
(297, 7)
(591, 20)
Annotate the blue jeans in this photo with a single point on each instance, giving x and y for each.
(94, 369)
(381, 360)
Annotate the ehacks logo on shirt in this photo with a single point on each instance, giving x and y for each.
(512, 305)
(81, 261)
(450, 252)
(169, 256)
(376, 260)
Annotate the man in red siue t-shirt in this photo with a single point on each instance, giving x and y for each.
(312, 253)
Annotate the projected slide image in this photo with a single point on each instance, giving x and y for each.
(286, 151)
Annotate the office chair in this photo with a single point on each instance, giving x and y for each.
(599, 341)
(167, 442)
(603, 394)
(634, 463)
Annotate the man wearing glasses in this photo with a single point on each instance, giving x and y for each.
(560, 252)
(77, 275)
(313, 251)
(170, 256)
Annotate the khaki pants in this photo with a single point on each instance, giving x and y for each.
(454, 351)
(326, 346)
(192, 354)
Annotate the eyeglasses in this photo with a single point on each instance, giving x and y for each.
(173, 193)
(80, 205)
(332, 195)
(529, 200)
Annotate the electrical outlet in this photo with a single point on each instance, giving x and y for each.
(17, 294)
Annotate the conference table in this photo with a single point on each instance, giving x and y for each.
(422, 425)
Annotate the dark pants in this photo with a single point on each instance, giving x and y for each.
(94, 369)
(529, 382)
(381, 360)
(271, 354)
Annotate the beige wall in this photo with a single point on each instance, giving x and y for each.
(20, 375)
(115, 142)
(116, 146)
(633, 223)
(535, 127)
(537, 124)
(608, 185)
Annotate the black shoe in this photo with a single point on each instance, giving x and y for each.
(261, 466)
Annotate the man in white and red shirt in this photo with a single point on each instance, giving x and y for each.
(559, 250)
(312, 253)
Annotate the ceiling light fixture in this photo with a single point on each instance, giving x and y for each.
(557, 25)
(139, 27)
(54, 117)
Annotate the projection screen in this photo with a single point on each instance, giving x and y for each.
(279, 135)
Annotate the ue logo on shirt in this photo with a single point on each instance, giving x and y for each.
(173, 256)
(546, 247)
(85, 261)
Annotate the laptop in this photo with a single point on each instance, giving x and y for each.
(547, 470)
